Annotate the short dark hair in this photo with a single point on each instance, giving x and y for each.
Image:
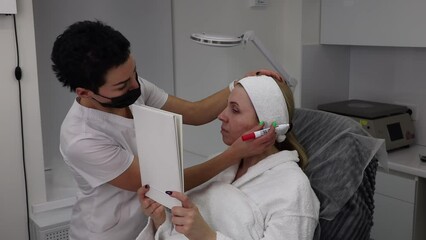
(84, 53)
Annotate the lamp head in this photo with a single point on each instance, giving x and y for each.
(226, 41)
(216, 40)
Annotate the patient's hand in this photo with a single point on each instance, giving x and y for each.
(151, 208)
(255, 146)
(188, 220)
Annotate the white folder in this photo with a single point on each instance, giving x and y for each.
(160, 152)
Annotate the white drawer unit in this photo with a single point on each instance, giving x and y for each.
(398, 186)
(399, 212)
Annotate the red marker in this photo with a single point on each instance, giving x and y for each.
(280, 129)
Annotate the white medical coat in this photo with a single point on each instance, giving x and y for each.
(98, 147)
(273, 200)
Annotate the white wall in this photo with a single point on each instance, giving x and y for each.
(325, 69)
(201, 70)
(391, 75)
(325, 75)
(12, 194)
(311, 10)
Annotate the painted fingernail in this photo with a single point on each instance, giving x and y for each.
(257, 73)
(261, 123)
(274, 124)
(169, 192)
(147, 186)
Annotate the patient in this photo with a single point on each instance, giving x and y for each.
(265, 196)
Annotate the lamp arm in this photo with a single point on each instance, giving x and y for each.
(249, 36)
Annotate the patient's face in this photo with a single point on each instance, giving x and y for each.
(238, 117)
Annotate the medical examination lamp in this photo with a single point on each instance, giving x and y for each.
(226, 41)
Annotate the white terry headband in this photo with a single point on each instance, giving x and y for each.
(268, 101)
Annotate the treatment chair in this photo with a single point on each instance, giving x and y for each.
(343, 160)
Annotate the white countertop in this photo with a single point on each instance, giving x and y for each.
(407, 160)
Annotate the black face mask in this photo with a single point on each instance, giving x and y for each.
(124, 100)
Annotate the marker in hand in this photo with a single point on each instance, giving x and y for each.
(282, 128)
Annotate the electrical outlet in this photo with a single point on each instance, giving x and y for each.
(412, 107)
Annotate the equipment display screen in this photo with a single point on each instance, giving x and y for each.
(395, 131)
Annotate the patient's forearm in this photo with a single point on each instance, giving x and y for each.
(202, 172)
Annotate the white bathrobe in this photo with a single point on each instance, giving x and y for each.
(273, 200)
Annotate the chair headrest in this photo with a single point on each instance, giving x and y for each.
(339, 150)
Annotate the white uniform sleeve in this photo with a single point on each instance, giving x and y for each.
(97, 158)
(152, 95)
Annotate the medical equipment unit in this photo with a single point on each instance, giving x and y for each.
(387, 121)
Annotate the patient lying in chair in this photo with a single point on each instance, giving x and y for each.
(266, 196)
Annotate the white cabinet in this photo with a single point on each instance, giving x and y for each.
(394, 207)
(399, 207)
(374, 23)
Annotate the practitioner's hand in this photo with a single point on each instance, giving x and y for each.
(253, 147)
(266, 72)
(188, 220)
(151, 208)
